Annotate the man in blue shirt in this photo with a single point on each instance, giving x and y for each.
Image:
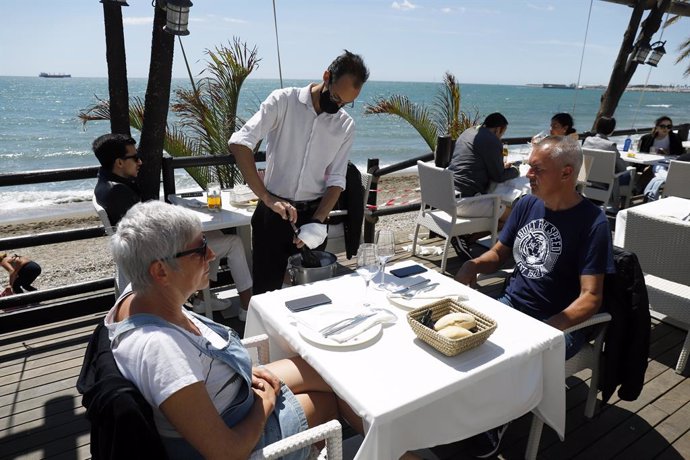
(562, 248)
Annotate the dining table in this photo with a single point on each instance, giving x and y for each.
(231, 215)
(671, 207)
(409, 395)
(639, 158)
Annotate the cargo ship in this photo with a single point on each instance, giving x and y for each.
(54, 75)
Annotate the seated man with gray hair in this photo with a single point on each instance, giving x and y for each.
(562, 248)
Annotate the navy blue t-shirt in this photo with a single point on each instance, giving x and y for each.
(551, 250)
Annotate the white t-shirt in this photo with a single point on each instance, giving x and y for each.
(161, 361)
(306, 152)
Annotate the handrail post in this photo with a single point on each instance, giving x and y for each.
(168, 173)
(444, 149)
(370, 221)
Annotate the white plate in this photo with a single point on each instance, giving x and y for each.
(316, 338)
(244, 204)
(411, 304)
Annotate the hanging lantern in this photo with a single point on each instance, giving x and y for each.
(657, 53)
(641, 54)
(116, 2)
(177, 17)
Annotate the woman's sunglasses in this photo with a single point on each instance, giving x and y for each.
(201, 250)
(665, 126)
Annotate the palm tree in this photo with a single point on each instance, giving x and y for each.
(684, 49)
(445, 118)
(207, 112)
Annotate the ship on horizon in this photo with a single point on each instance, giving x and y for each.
(54, 75)
(553, 85)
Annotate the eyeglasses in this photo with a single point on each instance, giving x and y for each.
(201, 250)
(135, 157)
(665, 126)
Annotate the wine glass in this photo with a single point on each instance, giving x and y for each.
(385, 249)
(367, 266)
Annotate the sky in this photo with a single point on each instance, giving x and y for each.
(482, 41)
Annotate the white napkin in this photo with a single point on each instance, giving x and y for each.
(313, 234)
(316, 322)
(189, 203)
(354, 331)
(395, 284)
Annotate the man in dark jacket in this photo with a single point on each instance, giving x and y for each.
(477, 161)
(117, 190)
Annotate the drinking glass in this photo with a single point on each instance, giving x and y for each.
(385, 249)
(367, 266)
(213, 198)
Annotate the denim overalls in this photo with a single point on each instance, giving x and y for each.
(287, 418)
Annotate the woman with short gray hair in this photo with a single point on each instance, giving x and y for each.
(208, 401)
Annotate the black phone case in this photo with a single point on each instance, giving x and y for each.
(408, 271)
(305, 303)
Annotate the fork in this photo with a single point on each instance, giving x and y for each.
(344, 323)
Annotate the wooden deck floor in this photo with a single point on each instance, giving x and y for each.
(41, 414)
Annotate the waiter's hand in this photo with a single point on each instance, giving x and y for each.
(281, 207)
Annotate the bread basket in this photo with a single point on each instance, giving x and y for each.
(450, 347)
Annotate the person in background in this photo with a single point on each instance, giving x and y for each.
(562, 124)
(477, 161)
(604, 127)
(662, 139)
(308, 140)
(208, 400)
(117, 191)
(23, 272)
(561, 244)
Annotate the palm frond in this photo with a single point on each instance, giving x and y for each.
(420, 118)
(684, 50)
(448, 107)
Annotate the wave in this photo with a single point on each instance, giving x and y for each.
(20, 201)
(666, 106)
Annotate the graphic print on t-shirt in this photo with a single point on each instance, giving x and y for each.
(537, 247)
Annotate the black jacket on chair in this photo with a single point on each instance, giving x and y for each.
(626, 345)
(122, 425)
(352, 199)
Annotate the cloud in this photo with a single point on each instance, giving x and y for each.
(215, 17)
(541, 7)
(137, 21)
(406, 5)
(448, 10)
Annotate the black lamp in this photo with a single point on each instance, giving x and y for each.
(116, 2)
(658, 51)
(177, 16)
(641, 53)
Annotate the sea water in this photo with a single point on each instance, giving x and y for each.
(40, 128)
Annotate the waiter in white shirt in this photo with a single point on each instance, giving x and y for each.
(308, 140)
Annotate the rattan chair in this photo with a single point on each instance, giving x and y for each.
(438, 211)
(677, 180)
(588, 357)
(602, 177)
(662, 245)
(121, 280)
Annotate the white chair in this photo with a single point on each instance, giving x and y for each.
(336, 233)
(331, 432)
(602, 177)
(677, 180)
(121, 280)
(438, 211)
(587, 358)
(662, 245)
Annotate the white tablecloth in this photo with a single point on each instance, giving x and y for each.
(410, 395)
(672, 206)
(643, 158)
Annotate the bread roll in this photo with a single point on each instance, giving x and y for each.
(454, 332)
(464, 320)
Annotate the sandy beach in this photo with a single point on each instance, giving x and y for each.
(86, 260)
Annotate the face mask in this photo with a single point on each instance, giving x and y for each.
(326, 104)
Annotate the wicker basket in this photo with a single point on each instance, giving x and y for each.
(450, 347)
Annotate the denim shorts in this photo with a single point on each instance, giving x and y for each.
(287, 418)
